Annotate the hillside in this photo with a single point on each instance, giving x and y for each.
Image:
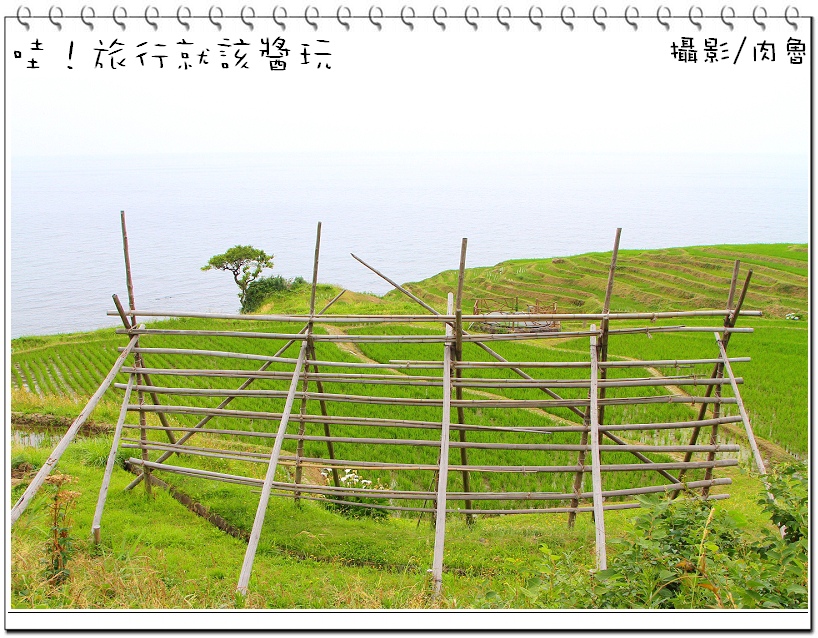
(650, 280)
(182, 548)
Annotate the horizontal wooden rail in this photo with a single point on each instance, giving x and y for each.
(573, 447)
(461, 511)
(349, 338)
(432, 381)
(398, 364)
(397, 423)
(657, 363)
(426, 318)
(465, 403)
(258, 457)
(285, 360)
(421, 494)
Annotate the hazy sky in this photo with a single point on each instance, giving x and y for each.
(458, 90)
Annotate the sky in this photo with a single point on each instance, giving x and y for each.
(458, 90)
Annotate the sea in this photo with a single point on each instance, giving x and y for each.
(404, 213)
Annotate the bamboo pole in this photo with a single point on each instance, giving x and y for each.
(714, 439)
(532, 510)
(435, 381)
(458, 372)
(729, 322)
(299, 450)
(714, 431)
(438, 317)
(475, 403)
(603, 339)
(128, 277)
(255, 534)
(257, 457)
(750, 437)
(129, 329)
(325, 422)
(139, 363)
(602, 356)
(333, 377)
(58, 451)
(109, 465)
(318, 462)
(273, 359)
(305, 370)
(572, 447)
(443, 471)
(478, 338)
(596, 474)
(404, 423)
(146, 474)
(206, 419)
(416, 299)
(416, 495)
(659, 363)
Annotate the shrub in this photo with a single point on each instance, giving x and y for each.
(777, 577)
(677, 558)
(260, 289)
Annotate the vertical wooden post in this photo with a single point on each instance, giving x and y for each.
(143, 434)
(443, 465)
(128, 278)
(261, 511)
(729, 322)
(458, 356)
(596, 473)
(143, 437)
(299, 450)
(603, 356)
(299, 453)
(714, 432)
(109, 465)
(324, 412)
(138, 357)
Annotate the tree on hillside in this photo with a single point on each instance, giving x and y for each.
(245, 262)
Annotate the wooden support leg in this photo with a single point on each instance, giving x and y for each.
(443, 473)
(109, 465)
(261, 511)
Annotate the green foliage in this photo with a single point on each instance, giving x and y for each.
(260, 289)
(686, 554)
(787, 499)
(778, 577)
(245, 262)
(675, 558)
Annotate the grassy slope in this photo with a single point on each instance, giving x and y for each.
(366, 562)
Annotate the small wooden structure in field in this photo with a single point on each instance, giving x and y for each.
(457, 390)
(504, 315)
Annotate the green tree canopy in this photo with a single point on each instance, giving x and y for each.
(245, 262)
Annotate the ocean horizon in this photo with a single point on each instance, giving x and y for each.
(405, 213)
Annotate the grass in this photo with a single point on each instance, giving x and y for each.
(156, 553)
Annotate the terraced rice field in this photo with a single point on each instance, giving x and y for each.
(60, 372)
